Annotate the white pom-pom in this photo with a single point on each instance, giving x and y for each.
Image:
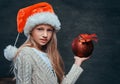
(10, 52)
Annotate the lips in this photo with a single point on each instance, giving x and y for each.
(43, 40)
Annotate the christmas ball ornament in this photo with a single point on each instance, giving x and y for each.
(82, 45)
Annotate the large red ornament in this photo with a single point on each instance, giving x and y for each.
(82, 45)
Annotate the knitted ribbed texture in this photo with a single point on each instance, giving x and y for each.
(73, 75)
(29, 68)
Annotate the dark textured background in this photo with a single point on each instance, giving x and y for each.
(77, 16)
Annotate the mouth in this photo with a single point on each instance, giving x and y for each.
(43, 40)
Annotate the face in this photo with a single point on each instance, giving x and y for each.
(42, 34)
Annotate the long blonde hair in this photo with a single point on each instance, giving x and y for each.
(55, 57)
(53, 54)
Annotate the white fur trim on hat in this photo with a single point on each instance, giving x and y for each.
(41, 18)
(10, 52)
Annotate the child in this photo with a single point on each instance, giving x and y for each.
(37, 61)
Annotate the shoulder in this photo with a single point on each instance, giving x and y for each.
(23, 57)
(26, 48)
(25, 52)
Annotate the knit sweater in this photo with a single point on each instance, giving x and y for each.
(30, 68)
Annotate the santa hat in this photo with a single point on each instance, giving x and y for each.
(28, 18)
(41, 13)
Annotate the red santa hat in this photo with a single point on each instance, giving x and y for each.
(41, 13)
(28, 18)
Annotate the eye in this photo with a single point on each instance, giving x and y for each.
(40, 29)
(50, 30)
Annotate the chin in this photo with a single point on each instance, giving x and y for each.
(42, 44)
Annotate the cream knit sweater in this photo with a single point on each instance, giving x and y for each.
(30, 68)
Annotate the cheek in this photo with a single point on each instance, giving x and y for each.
(50, 35)
(35, 33)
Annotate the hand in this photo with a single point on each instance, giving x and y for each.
(78, 60)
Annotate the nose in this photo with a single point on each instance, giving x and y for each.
(45, 34)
